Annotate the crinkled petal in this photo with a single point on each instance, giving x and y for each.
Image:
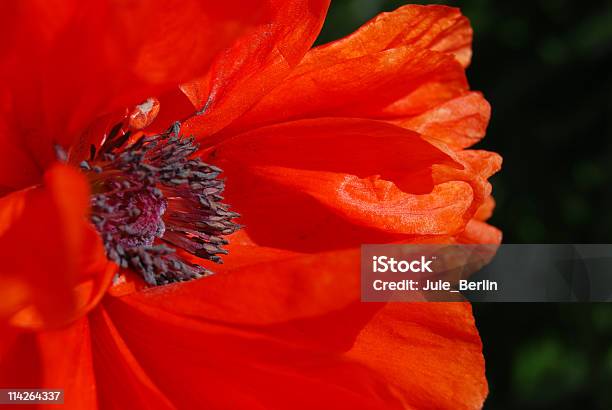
(256, 63)
(486, 209)
(436, 28)
(480, 233)
(336, 183)
(386, 84)
(399, 65)
(478, 166)
(460, 122)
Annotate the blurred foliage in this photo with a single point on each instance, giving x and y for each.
(546, 68)
(547, 356)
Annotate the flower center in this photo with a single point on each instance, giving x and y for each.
(155, 204)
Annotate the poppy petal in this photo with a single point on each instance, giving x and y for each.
(486, 209)
(242, 368)
(460, 122)
(122, 382)
(278, 322)
(372, 86)
(436, 28)
(69, 62)
(262, 292)
(401, 63)
(478, 166)
(50, 221)
(336, 183)
(52, 360)
(480, 232)
(17, 168)
(20, 361)
(413, 344)
(241, 75)
(67, 363)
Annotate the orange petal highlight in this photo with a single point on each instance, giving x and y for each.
(336, 183)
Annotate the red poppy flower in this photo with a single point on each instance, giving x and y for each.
(108, 213)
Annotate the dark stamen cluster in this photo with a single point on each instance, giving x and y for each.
(152, 197)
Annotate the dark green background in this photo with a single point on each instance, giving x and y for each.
(546, 68)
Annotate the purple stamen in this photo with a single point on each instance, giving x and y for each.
(153, 197)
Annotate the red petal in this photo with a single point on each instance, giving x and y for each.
(478, 166)
(263, 293)
(202, 364)
(60, 359)
(401, 63)
(67, 363)
(54, 266)
(430, 354)
(436, 28)
(460, 122)
(122, 382)
(371, 86)
(316, 185)
(20, 362)
(69, 62)
(17, 168)
(486, 209)
(290, 332)
(480, 232)
(255, 64)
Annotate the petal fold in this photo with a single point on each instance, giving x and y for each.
(54, 266)
(400, 64)
(286, 323)
(122, 382)
(256, 63)
(391, 83)
(460, 122)
(69, 62)
(336, 183)
(240, 367)
(67, 363)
